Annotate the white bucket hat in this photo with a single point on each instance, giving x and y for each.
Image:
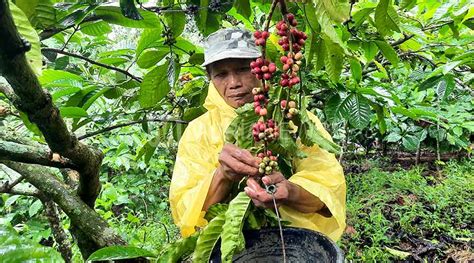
(230, 43)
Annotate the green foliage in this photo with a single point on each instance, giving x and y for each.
(393, 73)
(119, 252)
(232, 236)
(208, 238)
(18, 249)
(178, 250)
(113, 15)
(155, 86)
(386, 209)
(28, 32)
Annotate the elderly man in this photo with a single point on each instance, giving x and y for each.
(206, 167)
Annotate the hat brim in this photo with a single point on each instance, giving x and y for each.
(231, 54)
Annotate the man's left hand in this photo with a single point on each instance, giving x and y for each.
(259, 195)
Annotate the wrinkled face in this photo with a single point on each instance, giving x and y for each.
(233, 80)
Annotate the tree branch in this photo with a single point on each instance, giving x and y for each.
(87, 135)
(402, 40)
(61, 237)
(32, 154)
(40, 110)
(81, 215)
(55, 50)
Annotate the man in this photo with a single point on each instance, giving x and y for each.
(206, 167)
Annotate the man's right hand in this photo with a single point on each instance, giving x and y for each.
(235, 163)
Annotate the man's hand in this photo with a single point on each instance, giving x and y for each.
(235, 163)
(259, 195)
(287, 193)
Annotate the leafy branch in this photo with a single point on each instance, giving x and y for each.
(125, 72)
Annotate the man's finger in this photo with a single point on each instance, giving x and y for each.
(236, 166)
(245, 157)
(273, 178)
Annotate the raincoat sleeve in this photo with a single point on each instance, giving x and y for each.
(321, 175)
(196, 162)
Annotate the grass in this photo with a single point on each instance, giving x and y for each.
(410, 214)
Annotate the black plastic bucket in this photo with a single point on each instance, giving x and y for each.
(302, 245)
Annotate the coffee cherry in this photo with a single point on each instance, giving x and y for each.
(272, 67)
(263, 112)
(290, 16)
(291, 104)
(298, 56)
(283, 104)
(257, 34)
(265, 34)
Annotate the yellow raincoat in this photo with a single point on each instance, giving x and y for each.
(197, 159)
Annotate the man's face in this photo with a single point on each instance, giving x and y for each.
(233, 80)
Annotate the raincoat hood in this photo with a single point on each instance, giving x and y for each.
(215, 101)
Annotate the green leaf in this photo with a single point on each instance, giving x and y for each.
(129, 9)
(232, 237)
(386, 18)
(215, 210)
(34, 208)
(309, 133)
(361, 16)
(356, 109)
(25, 29)
(243, 8)
(336, 10)
(445, 86)
(72, 112)
(41, 13)
(370, 50)
(174, 69)
(193, 112)
(333, 109)
(113, 15)
(149, 38)
(150, 58)
(410, 142)
(388, 51)
(119, 252)
(356, 70)
(176, 251)
(196, 59)
(155, 86)
(403, 111)
(176, 22)
(393, 137)
(60, 78)
(324, 19)
(334, 60)
(96, 28)
(240, 129)
(208, 239)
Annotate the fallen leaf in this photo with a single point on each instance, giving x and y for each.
(350, 230)
(398, 253)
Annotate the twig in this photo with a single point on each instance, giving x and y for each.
(401, 41)
(87, 135)
(92, 62)
(70, 36)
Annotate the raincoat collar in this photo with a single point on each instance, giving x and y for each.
(214, 101)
